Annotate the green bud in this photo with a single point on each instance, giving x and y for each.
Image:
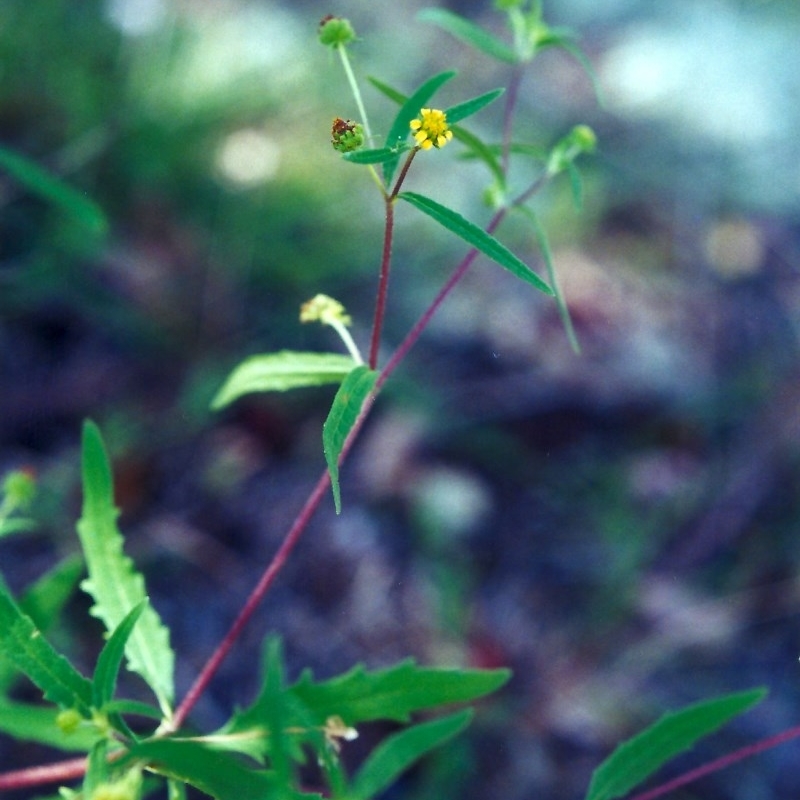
(584, 137)
(346, 135)
(19, 487)
(68, 720)
(335, 31)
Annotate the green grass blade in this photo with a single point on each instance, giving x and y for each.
(347, 404)
(22, 643)
(394, 693)
(397, 753)
(547, 256)
(409, 110)
(641, 756)
(469, 33)
(477, 237)
(37, 180)
(469, 107)
(104, 682)
(113, 581)
(278, 372)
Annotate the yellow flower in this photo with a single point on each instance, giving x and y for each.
(431, 129)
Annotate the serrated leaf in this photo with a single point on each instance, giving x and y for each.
(377, 156)
(394, 693)
(22, 643)
(547, 256)
(469, 33)
(104, 682)
(641, 756)
(398, 752)
(114, 583)
(36, 723)
(43, 602)
(347, 404)
(39, 181)
(278, 372)
(409, 110)
(477, 237)
(469, 107)
(222, 775)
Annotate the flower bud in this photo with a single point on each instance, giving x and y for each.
(346, 135)
(335, 31)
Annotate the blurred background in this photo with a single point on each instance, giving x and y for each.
(619, 527)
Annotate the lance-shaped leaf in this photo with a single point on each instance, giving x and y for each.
(547, 256)
(43, 602)
(113, 581)
(477, 237)
(640, 757)
(469, 33)
(409, 110)
(37, 180)
(347, 404)
(397, 753)
(477, 148)
(221, 775)
(379, 155)
(394, 693)
(37, 723)
(22, 643)
(104, 681)
(469, 107)
(278, 372)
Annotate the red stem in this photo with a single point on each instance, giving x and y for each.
(36, 776)
(720, 763)
(386, 260)
(383, 284)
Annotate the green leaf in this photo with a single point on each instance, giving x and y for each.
(476, 237)
(641, 756)
(104, 682)
(547, 255)
(43, 603)
(379, 155)
(409, 110)
(97, 770)
(36, 723)
(476, 148)
(397, 753)
(277, 372)
(222, 775)
(394, 693)
(113, 581)
(469, 33)
(390, 92)
(565, 40)
(37, 180)
(22, 643)
(469, 107)
(347, 405)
